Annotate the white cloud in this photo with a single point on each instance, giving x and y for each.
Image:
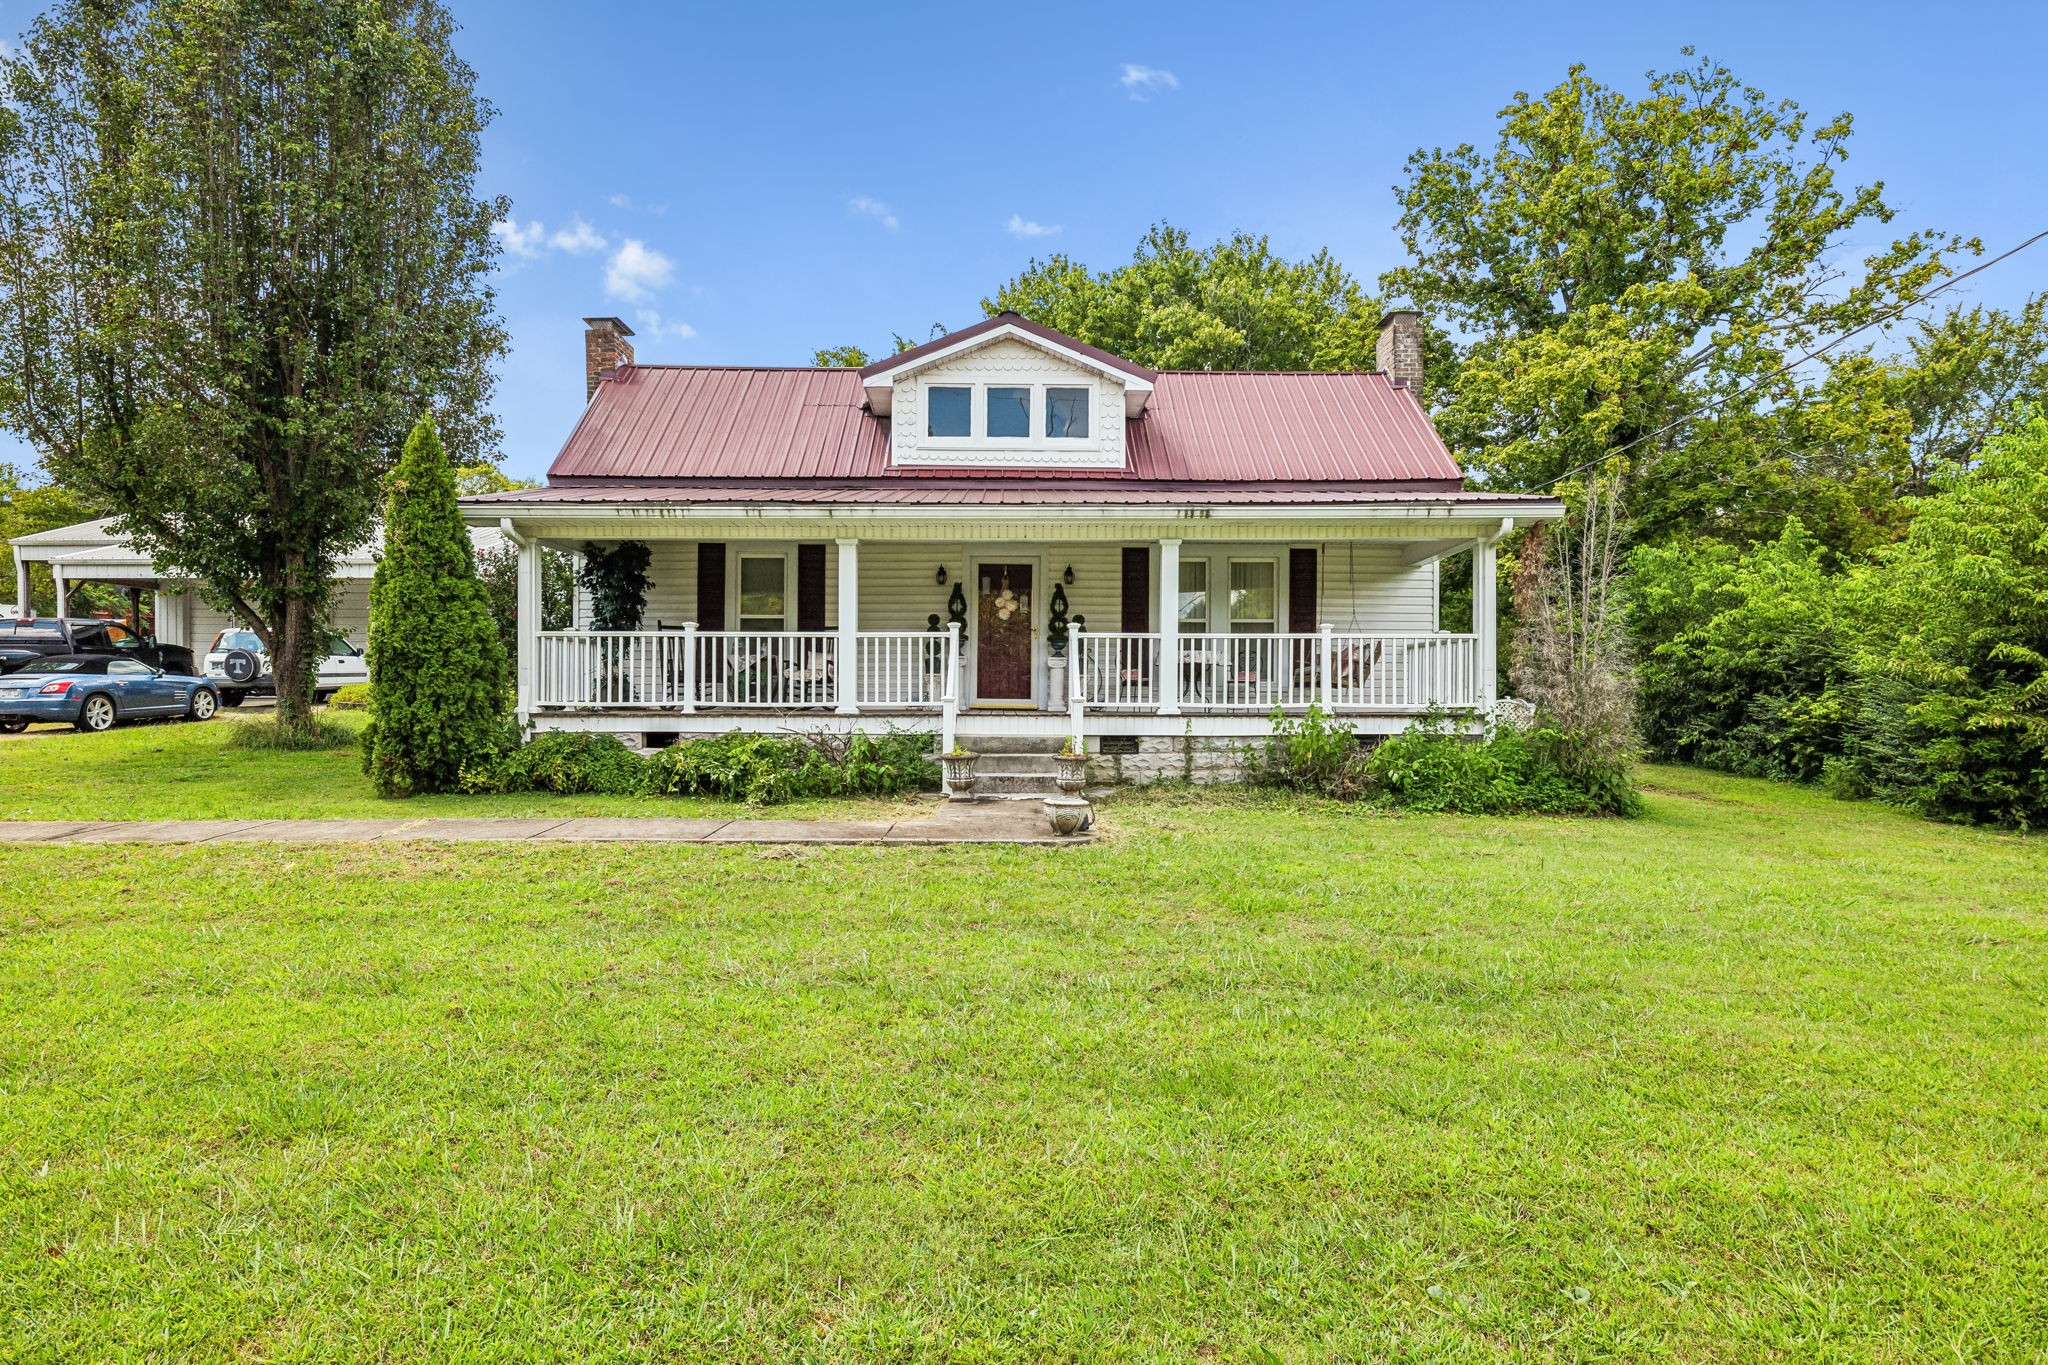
(875, 209)
(636, 271)
(578, 239)
(1143, 82)
(523, 242)
(651, 325)
(621, 201)
(1020, 226)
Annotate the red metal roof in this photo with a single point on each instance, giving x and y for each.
(1002, 319)
(690, 423)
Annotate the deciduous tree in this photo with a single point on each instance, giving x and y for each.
(240, 251)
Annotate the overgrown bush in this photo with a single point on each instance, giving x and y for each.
(770, 769)
(560, 761)
(762, 770)
(1433, 767)
(1918, 676)
(1430, 767)
(353, 697)
(437, 667)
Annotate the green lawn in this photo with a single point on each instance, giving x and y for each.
(1762, 1077)
(180, 771)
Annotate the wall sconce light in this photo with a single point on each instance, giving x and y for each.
(1068, 577)
(941, 577)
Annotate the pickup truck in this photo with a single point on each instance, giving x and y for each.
(25, 640)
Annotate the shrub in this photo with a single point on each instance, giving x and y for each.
(437, 667)
(354, 697)
(1433, 767)
(1313, 753)
(769, 769)
(759, 769)
(1429, 767)
(563, 762)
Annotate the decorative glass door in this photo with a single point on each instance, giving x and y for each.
(1004, 633)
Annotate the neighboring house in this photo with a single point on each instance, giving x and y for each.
(1227, 544)
(93, 552)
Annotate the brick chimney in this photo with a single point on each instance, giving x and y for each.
(605, 348)
(1399, 352)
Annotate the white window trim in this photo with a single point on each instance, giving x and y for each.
(1230, 607)
(978, 437)
(739, 573)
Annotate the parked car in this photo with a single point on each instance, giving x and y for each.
(23, 641)
(239, 666)
(97, 691)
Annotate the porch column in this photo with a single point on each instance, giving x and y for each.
(849, 628)
(21, 584)
(1169, 627)
(63, 591)
(528, 616)
(170, 617)
(1484, 624)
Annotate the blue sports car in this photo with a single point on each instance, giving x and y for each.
(95, 692)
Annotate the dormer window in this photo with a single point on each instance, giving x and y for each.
(1009, 414)
(951, 409)
(1066, 414)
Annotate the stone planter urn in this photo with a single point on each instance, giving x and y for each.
(1056, 683)
(1069, 815)
(1071, 772)
(959, 766)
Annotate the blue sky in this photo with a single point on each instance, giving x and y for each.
(745, 183)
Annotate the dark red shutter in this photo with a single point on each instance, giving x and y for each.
(810, 587)
(711, 585)
(1301, 591)
(1137, 589)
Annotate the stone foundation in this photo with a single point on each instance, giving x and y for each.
(1171, 758)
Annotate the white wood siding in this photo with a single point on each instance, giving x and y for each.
(1361, 584)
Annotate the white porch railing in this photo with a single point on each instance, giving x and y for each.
(1344, 671)
(1118, 671)
(688, 668)
(1340, 670)
(901, 668)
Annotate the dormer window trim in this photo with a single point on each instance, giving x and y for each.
(979, 387)
(878, 380)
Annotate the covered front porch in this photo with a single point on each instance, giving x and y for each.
(1081, 622)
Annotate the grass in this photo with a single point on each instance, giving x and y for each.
(1761, 1077)
(180, 771)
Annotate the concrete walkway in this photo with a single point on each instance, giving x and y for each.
(975, 822)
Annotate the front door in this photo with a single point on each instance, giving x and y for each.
(1002, 653)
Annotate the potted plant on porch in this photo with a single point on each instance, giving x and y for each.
(959, 765)
(1070, 767)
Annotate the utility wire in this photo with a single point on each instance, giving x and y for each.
(1789, 366)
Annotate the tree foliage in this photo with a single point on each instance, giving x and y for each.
(1616, 265)
(241, 250)
(1918, 674)
(26, 509)
(1232, 306)
(437, 664)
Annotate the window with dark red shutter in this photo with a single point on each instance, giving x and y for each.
(710, 585)
(1301, 591)
(1137, 589)
(810, 587)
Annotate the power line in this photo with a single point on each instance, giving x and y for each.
(1790, 366)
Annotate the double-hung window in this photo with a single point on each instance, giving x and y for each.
(1254, 598)
(764, 592)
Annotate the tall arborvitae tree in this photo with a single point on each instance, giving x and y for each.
(437, 666)
(240, 250)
